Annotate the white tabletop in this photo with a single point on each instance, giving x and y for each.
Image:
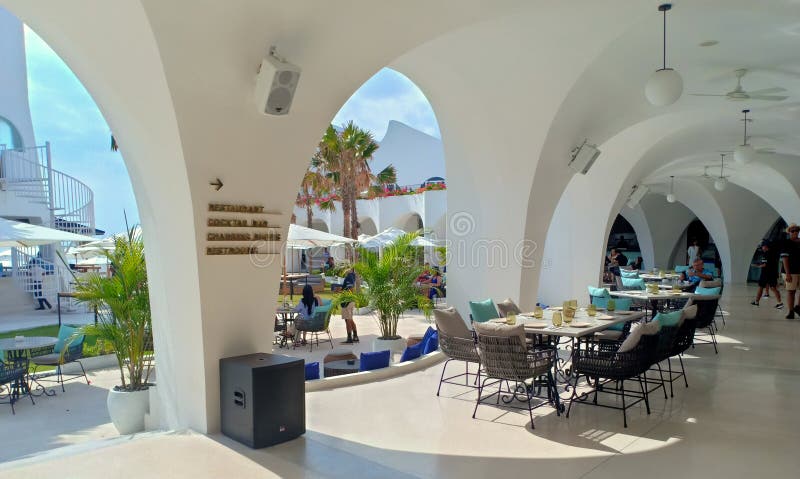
(644, 295)
(581, 316)
(651, 277)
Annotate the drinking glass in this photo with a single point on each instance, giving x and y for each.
(556, 318)
(611, 305)
(569, 313)
(591, 310)
(511, 319)
(538, 312)
(573, 303)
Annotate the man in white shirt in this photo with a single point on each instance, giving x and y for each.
(693, 252)
(37, 273)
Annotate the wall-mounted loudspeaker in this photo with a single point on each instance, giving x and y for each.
(636, 195)
(583, 157)
(277, 81)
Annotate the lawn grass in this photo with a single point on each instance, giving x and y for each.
(89, 344)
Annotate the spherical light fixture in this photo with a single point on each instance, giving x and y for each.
(665, 86)
(720, 184)
(745, 153)
(671, 195)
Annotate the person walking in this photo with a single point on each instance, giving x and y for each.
(693, 252)
(37, 276)
(768, 279)
(347, 308)
(790, 257)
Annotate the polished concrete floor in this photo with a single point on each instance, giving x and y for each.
(737, 419)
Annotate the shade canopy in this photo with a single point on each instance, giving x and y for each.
(300, 237)
(382, 239)
(14, 234)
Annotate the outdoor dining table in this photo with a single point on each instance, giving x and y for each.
(20, 348)
(658, 276)
(574, 335)
(285, 315)
(653, 300)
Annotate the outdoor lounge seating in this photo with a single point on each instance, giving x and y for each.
(319, 323)
(457, 342)
(376, 360)
(12, 378)
(506, 361)
(68, 349)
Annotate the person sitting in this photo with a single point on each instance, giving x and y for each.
(435, 283)
(697, 272)
(425, 275)
(306, 307)
(347, 308)
(329, 264)
(615, 260)
(638, 264)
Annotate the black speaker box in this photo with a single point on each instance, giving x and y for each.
(262, 398)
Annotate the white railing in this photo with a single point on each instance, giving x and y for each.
(28, 172)
(22, 261)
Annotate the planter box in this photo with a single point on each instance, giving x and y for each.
(90, 364)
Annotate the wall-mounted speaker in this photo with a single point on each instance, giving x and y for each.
(275, 86)
(636, 195)
(583, 157)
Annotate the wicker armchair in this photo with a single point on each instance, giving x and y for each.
(319, 323)
(458, 349)
(12, 377)
(706, 313)
(604, 362)
(72, 353)
(507, 359)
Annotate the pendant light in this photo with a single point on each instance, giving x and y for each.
(744, 153)
(721, 182)
(671, 196)
(665, 85)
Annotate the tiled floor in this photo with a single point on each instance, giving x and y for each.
(737, 419)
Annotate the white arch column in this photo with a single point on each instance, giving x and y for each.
(638, 220)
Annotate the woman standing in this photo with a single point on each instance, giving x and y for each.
(347, 309)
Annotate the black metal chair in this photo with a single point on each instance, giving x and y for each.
(706, 313)
(459, 349)
(71, 353)
(684, 338)
(604, 363)
(507, 359)
(12, 377)
(663, 350)
(717, 283)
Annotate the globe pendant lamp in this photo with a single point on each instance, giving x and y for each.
(744, 153)
(721, 182)
(665, 86)
(671, 196)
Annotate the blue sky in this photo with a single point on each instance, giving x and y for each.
(65, 115)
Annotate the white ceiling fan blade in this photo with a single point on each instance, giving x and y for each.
(704, 94)
(768, 97)
(766, 91)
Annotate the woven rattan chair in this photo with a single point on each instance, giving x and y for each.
(717, 283)
(684, 338)
(459, 349)
(12, 378)
(72, 353)
(506, 359)
(602, 366)
(319, 323)
(706, 313)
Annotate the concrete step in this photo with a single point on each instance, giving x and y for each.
(13, 299)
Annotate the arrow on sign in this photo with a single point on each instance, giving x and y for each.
(217, 184)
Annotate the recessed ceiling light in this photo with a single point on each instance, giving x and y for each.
(709, 43)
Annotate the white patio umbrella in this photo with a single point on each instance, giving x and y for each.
(382, 239)
(300, 237)
(14, 234)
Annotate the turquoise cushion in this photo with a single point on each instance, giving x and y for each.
(483, 311)
(64, 333)
(681, 269)
(599, 301)
(623, 304)
(597, 292)
(707, 291)
(669, 319)
(633, 283)
(617, 326)
(628, 274)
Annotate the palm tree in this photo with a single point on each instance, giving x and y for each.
(312, 187)
(345, 157)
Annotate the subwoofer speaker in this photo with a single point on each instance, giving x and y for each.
(262, 398)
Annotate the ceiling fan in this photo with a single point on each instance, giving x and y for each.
(740, 94)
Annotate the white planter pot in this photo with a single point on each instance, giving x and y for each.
(393, 345)
(362, 311)
(127, 409)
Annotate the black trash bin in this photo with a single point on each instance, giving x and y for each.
(262, 398)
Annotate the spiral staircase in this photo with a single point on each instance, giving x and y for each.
(65, 203)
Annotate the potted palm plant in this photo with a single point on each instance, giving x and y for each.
(390, 289)
(124, 323)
